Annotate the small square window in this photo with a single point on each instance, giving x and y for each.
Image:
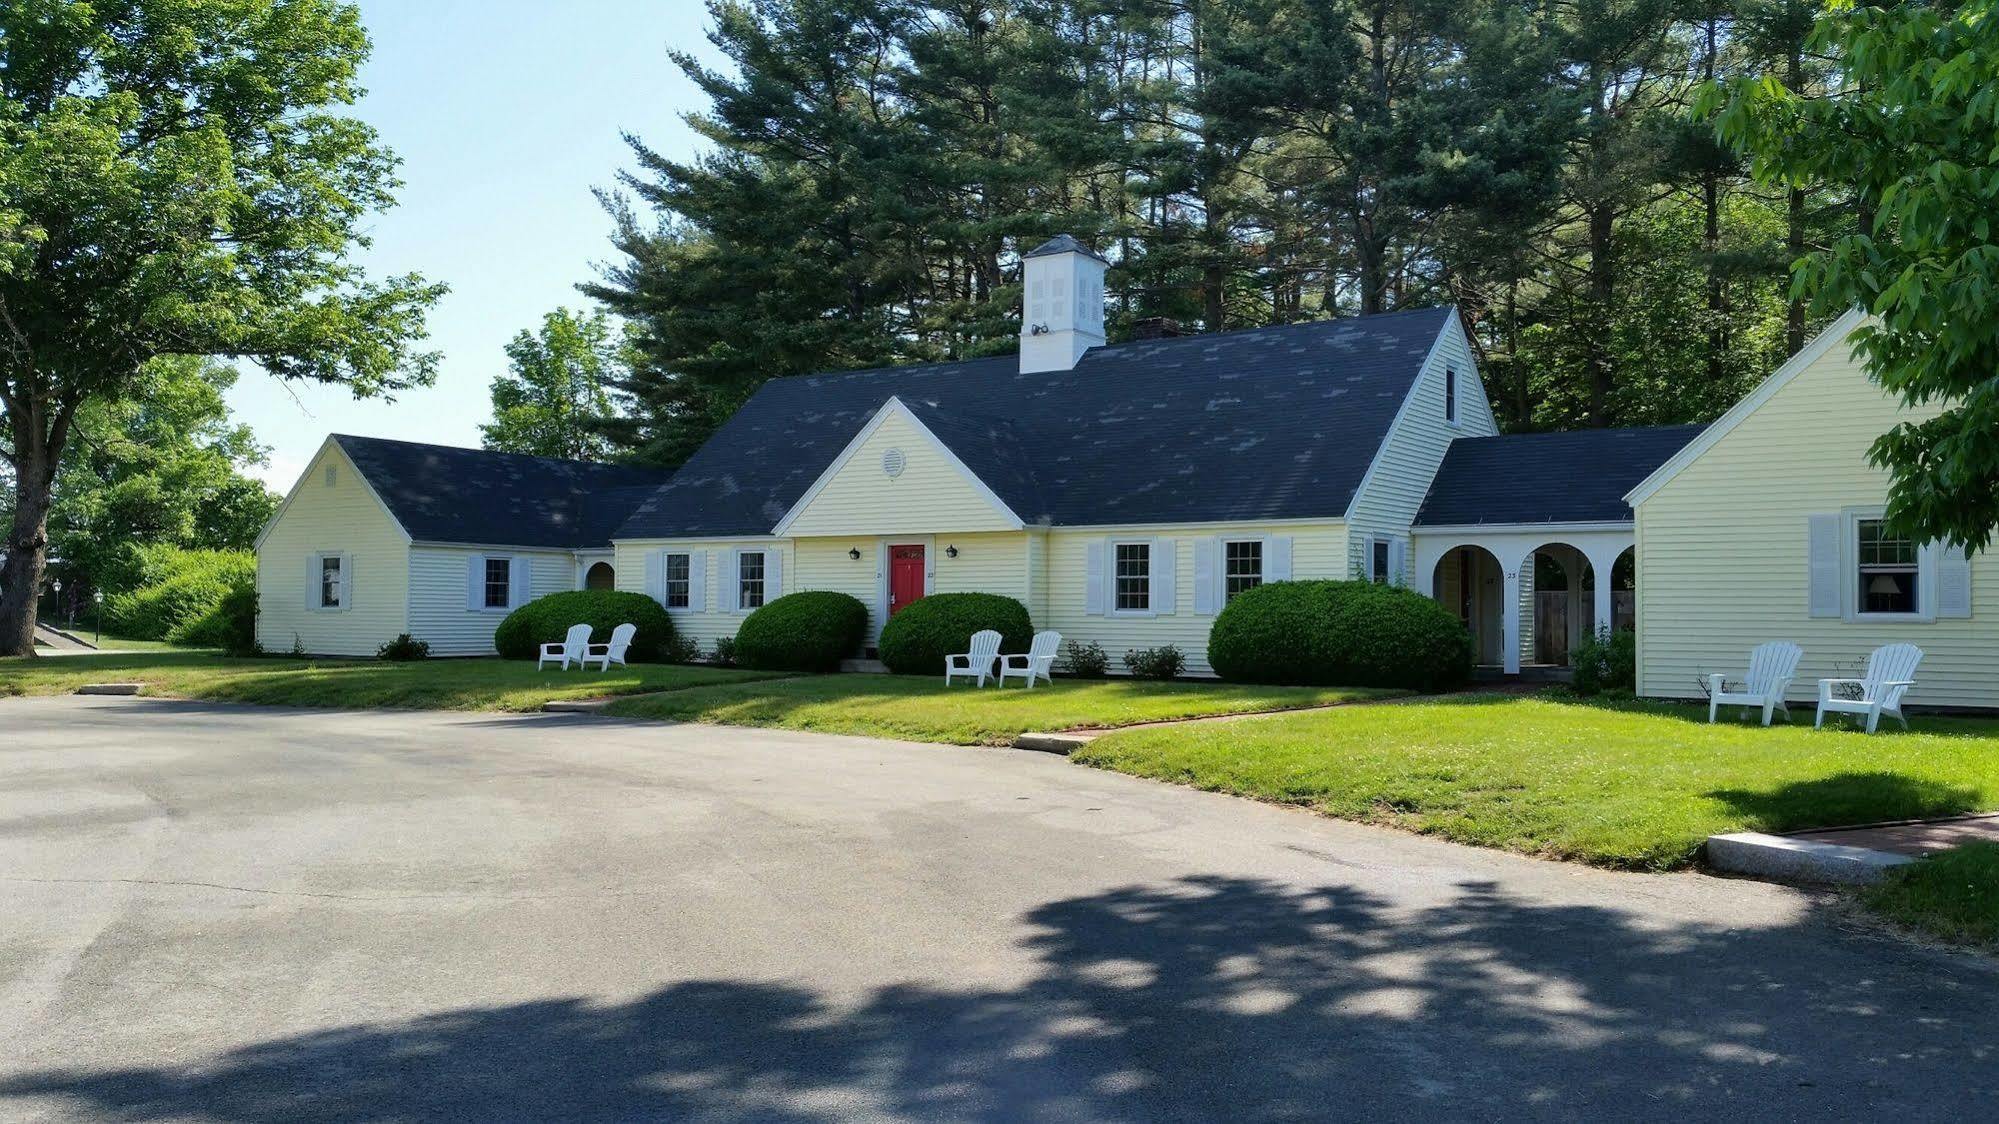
(1381, 574)
(1242, 567)
(750, 579)
(678, 589)
(330, 582)
(499, 582)
(1889, 570)
(1134, 577)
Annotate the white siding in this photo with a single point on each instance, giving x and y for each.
(437, 583)
(341, 517)
(711, 621)
(1387, 501)
(930, 495)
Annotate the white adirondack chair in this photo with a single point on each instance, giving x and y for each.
(1772, 666)
(1038, 662)
(1891, 671)
(977, 662)
(607, 654)
(573, 647)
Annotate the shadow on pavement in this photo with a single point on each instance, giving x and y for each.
(1203, 999)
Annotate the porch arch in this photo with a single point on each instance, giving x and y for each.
(1513, 547)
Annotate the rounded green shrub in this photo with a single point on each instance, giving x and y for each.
(1606, 661)
(916, 640)
(185, 587)
(545, 620)
(809, 631)
(1340, 634)
(230, 624)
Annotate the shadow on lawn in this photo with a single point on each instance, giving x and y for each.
(1849, 798)
(1207, 998)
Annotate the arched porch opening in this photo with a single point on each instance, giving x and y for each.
(1562, 612)
(1624, 591)
(600, 575)
(1470, 581)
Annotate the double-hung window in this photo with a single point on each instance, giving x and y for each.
(750, 579)
(678, 586)
(332, 582)
(1242, 567)
(1379, 571)
(1133, 577)
(1889, 570)
(499, 583)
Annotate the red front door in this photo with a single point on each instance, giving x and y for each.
(905, 577)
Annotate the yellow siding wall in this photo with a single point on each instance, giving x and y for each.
(1722, 551)
(986, 563)
(1317, 551)
(931, 496)
(1388, 500)
(438, 615)
(343, 517)
(710, 624)
(823, 564)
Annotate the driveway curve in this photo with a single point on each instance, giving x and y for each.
(239, 914)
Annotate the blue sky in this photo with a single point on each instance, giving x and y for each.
(506, 114)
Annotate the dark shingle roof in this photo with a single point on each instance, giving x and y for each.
(1268, 423)
(1575, 477)
(1062, 244)
(445, 494)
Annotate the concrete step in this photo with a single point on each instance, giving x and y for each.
(1064, 744)
(1787, 858)
(110, 688)
(864, 667)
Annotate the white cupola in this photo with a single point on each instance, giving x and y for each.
(1062, 304)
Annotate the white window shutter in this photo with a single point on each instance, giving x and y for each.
(697, 581)
(1207, 576)
(1277, 558)
(1165, 565)
(1398, 551)
(656, 575)
(475, 583)
(773, 575)
(312, 581)
(1093, 579)
(520, 581)
(732, 581)
(1953, 582)
(1826, 577)
(346, 582)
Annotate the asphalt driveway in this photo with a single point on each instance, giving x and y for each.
(259, 915)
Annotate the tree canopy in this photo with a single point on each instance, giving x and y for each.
(875, 168)
(555, 400)
(177, 179)
(1911, 126)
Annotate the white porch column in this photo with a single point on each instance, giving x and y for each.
(1601, 620)
(1602, 560)
(1511, 611)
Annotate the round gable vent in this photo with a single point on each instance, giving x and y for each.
(893, 462)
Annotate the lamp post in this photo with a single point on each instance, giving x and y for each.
(97, 637)
(56, 585)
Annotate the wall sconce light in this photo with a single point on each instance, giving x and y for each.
(854, 553)
(950, 552)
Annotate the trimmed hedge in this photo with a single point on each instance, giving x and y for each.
(230, 624)
(1340, 634)
(1606, 661)
(545, 620)
(916, 640)
(809, 631)
(181, 588)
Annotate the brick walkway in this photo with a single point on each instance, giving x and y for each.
(1912, 838)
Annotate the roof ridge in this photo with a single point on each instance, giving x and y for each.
(663, 473)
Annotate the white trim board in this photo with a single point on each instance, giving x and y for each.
(890, 409)
(333, 441)
(1517, 528)
(1811, 353)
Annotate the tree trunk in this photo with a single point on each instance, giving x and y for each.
(27, 546)
(1794, 315)
(1602, 287)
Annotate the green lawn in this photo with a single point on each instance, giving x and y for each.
(427, 685)
(894, 706)
(1632, 785)
(1953, 895)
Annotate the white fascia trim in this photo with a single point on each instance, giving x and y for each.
(299, 485)
(442, 545)
(659, 542)
(1811, 353)
(1517, 528)
(1401, 412)
(1196, 524)
(889, 409)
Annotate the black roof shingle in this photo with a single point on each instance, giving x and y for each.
(1267, 423)
(1576, 477)
(440, 493)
